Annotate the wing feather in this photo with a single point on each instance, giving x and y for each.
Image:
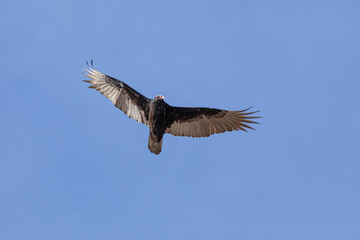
(203, 122)
(132, 103)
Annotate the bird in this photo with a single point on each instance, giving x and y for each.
(162, 118)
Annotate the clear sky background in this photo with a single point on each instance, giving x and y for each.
(75, 167)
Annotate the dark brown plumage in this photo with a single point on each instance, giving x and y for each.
(163, 118)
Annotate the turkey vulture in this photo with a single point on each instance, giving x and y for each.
(163, 118)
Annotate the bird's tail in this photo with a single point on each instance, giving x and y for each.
(155, 146)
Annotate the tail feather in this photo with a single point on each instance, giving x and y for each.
(154, 146)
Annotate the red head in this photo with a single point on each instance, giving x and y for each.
(159, 97)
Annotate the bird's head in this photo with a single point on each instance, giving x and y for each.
(159, 97)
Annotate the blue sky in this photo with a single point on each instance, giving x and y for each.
(75, 167)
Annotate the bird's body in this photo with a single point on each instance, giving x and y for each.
(157, 123)
(163, 118)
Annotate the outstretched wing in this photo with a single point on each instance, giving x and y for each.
(203, 122)
(122, 95)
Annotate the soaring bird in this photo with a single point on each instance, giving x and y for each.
(163, 118)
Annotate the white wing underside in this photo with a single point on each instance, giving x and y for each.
(205, 126)
(114, 90)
